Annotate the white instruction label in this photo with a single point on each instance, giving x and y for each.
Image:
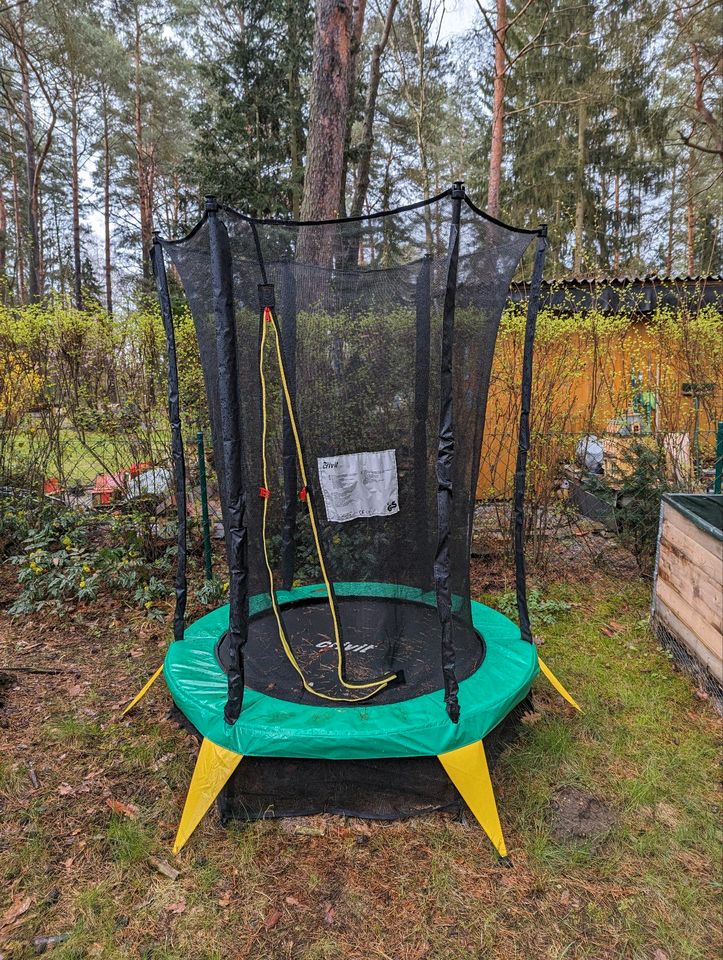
(359, 485)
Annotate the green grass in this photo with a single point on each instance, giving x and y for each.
(80, 461)
(638, 748)
(425, 889)
(130, 842)
(73, 731)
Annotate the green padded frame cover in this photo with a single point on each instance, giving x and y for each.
(270, 727)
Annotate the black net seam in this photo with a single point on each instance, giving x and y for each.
(500, 223)
(277, 222)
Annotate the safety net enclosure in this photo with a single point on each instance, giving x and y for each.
(346, 366)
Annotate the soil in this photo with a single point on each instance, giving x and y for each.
(566, 544)
(577, 815)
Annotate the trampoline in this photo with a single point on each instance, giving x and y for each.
(346, 366)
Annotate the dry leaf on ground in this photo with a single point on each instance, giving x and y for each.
(272, 918)
(125, 809)
(17, 908)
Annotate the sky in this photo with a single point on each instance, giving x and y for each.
(458, 18)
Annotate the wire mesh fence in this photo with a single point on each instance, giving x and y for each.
(708, 685)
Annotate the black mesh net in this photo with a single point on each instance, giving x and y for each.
(362, 311)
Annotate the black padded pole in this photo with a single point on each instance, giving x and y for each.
(445, 466)
(421, 402)
(174, 415)
(287, 314)
(231, 439)
(533, 306)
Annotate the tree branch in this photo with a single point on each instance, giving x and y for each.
(688, 141)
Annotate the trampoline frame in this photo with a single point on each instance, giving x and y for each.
(417, 726)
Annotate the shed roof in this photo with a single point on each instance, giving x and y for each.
(633, 295)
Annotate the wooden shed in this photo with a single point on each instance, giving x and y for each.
(687, 613)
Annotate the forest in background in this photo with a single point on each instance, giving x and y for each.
(599, 117)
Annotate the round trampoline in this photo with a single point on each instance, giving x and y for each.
(346, 366)
(279, 720)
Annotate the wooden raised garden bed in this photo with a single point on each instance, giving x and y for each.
(687, 611)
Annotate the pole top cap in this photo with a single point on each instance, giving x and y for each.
(457, 189)
(210, 203)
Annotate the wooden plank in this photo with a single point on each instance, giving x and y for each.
(701, 557)
(691, 614)
(691, 582)
(705, 540)
(688, 639)
(706, 633)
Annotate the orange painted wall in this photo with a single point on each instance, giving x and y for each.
(580, 386)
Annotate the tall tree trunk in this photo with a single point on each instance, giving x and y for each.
(75, 196)
(498, 113)
(59, 248)
(580, 187)
(3, 246)
(144, 165)
(31, 163)
(111, 379)
(296, 131)
(671, 224)
(357, 29)
(366, 144)
(329, 110)
(420, 112)
(424, 164)
(41, 237)
(106, 206)
(616, 255)
(691, 216)
(17, 216)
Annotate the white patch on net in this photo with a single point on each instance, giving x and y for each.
(359, 485)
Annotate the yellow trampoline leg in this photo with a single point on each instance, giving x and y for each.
(557, 685)
(467, 769)
(213, 768)
(143, 691)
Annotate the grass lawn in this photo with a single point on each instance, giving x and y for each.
(89, 801)
(80, 461)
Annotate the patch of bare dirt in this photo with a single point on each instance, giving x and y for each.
(577, 815)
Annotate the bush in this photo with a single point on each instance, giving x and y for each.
(541, 611)
(65, 557)
(636, 492)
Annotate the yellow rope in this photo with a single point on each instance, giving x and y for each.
(376, 685)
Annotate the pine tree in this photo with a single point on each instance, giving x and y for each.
(249, 132)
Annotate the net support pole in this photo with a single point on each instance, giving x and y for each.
(421, 400)
(445, 466)
(174, 415)
(523, 446)
(288, 347)
(231, 440)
